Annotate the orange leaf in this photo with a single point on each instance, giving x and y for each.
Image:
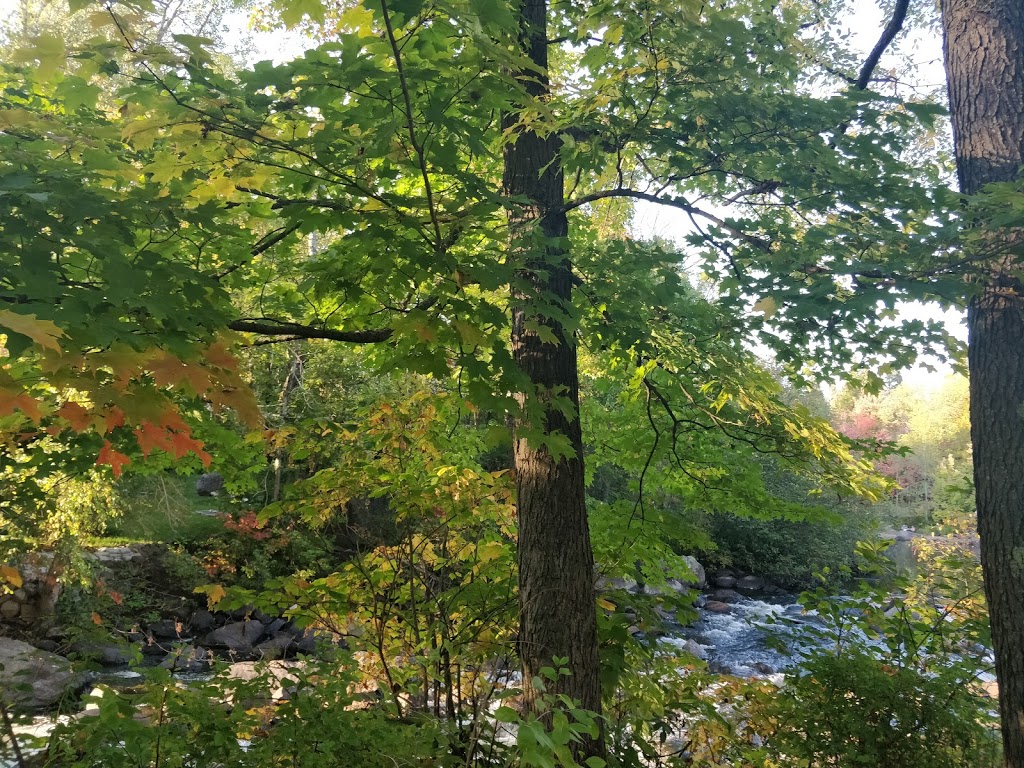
(96, 619)
(42, 332)
(113, 418)
(78, 417)
(11, 575)
(115, 596)
(115, 459)
(15, 399)
(219, 355)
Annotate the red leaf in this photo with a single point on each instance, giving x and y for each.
(78, 417)
(115, 459)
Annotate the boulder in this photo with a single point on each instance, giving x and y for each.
(237, 637)
(276, 626)
(750, 585)
(271, 680)
(725, 582)
(210, 484)
(202, 621)
(153, 647)
(104, 654)
(700, 579)
(35, 679)
(10, 608)
(694, 649)
(277, 647)
(307, 641)
(725, 596)
(717, 607)
(165, 629)
(186, 658)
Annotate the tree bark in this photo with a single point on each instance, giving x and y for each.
(984, 54)
(558, 616)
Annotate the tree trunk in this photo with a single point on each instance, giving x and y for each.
(558, 616)
(984, 53)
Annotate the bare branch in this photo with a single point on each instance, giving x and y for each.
(673, 202)
(899, 15)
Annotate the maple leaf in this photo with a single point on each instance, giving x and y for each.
(15, 399)
(218, 355)
(77, 416)
(112, 419)
(115, 459)
(171, 371)
(42, 332)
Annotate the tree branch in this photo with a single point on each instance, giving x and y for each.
(899, 15)
(296, 331)
(673, 202)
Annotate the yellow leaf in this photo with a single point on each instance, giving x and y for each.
(11, 575)
(608, 605)
(42, 332)
(215, 594)
(492, 550)
(766, 306)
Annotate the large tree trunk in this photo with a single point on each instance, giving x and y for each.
(556, 566)
(984, 52)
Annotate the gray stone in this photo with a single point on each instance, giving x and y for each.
(277, 647)
(750, 585)
(35, 679)
(276, 626)
(717, 607)
(116, 554)
(700, 579)
(694, 649)
(202, 621)
(308, 640)
(186, 658)
(725, 582)
(165, 629)
(210, 484)
(725, 596)
(238, 637)
(105, 654)
(9, 609)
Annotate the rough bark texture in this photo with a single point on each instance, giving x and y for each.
(556, 566)
(984, 52)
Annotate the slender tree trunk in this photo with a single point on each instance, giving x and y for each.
(558, 616)
(984, 52)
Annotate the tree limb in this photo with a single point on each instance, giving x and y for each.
(673, 202)
(298, 331)
(899, 15)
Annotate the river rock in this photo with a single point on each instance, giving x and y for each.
(725, 582)
(307, 641)
(210, 484)
(694, 649)
(700, 579)
(202, 621)
(716, 606)
(104, 654)
(725, 596)
(750, 585)
(165, 629)
(237, 637)
(277, 647)
(186, 658)
(35, 679)
(271, 680)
